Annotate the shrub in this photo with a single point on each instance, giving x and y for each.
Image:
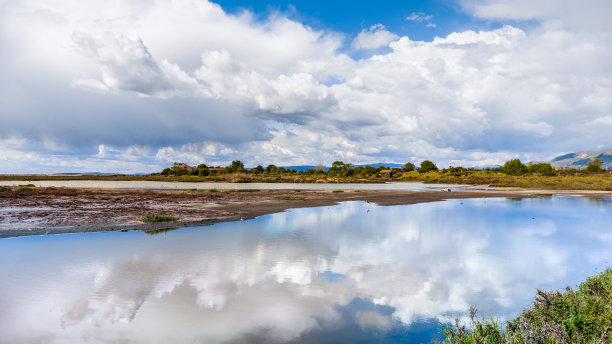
(581, 316)
(594, 166)
(543, 169)
(408, 167)
(514, 167)
(427, 166)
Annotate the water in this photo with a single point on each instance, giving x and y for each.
(412, 186)
(355, 272)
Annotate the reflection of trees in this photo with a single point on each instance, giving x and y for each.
(160, 231)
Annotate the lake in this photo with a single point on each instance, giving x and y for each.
(355, 272)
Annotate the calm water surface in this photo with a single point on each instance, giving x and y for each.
(355, 272)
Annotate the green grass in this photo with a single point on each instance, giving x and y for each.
(574, 316)
(105, 198)
(335, 191)
(158, 218)
(187, 206)
(291, 198)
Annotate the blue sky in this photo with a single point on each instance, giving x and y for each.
(132, 86)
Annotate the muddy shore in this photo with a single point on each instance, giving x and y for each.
(26, 210)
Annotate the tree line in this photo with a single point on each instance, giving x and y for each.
(340, 169)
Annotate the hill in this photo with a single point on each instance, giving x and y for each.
(580, 159)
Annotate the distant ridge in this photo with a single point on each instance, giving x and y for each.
(580, 159)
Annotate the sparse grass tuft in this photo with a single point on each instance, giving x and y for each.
(158, 218)
(291, 198)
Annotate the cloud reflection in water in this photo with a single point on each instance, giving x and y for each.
(356, 269)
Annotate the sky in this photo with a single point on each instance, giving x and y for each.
(133, 86)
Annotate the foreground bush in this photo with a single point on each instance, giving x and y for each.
(581, 316)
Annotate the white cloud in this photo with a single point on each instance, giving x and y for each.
(374, 38)
(419, 17)
(170, 76)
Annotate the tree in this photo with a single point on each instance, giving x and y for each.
(594, 166)
(166, 171)
(202, 170)
(427, 166)
(408, 167)
(271, 169)
(236, 166)
(514, 167)
(544, 169)
(257, 170)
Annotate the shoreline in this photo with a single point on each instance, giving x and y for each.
(43, 211)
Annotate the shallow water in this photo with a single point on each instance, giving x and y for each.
(355, 272)
(416, 186)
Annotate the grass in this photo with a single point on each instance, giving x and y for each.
(335, 191)
(245, 190)
(158, 218)
(291, 198)
(498, 179)
(187, 206)
(574, 316)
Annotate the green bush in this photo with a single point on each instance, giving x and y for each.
(514, 167)
(581, 316)
(543, 169)
(427, 166)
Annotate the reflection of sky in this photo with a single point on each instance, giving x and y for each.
(356, 270)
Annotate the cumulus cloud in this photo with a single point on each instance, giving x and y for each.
(171, 76)
(374, 38)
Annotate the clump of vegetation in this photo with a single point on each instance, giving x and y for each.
(105, 198)
(222, 203)
(580, 316)
(246, 190)
(158, 218)
(291, 198)
(427, 166)
(90, 197)
(213, 190)
(514, 167)
(337, 191)
(594, 166)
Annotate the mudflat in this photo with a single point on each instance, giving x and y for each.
(26, 210)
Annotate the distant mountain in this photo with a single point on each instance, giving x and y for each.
(580, 159)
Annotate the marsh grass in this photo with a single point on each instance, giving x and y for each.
(158, 218)
(291, 198)
(574, 316)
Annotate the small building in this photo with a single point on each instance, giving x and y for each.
(184, 166)
(214, 170)
(385, 174)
